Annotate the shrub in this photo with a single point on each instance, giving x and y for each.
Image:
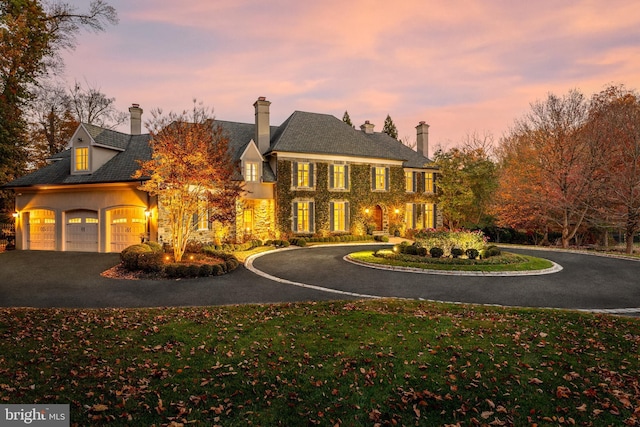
(182, 270)
(456, 252)
(472, 253)
(193, 270)
(422, 251)
(232, 264)
(130, 256)
(150, 262)
(381, 238)
(447, 240)
(217, 270)
(492, 250)
(205, 270)
(171, 271)
(436, 252)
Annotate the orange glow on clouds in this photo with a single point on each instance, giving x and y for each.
(462, 66)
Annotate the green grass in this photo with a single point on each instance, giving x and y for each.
(505, 262)
(363, 363)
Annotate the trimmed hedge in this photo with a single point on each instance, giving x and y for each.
(143, 256)
(436, 252)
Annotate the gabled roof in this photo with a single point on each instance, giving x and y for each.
(107, 137)
(314, 133)
(119, 169)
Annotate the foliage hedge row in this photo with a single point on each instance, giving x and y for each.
(302, 241)
(437, 252)
(148, 257)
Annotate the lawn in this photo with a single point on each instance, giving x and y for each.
(505, 262)
(380, 362)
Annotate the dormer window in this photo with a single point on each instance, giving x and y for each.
(82, 159)
(251, 171)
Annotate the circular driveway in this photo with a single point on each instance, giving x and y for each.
(586, 282)
(66, 279)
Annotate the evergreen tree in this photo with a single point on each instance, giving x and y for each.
(390, 128)
(347, 119)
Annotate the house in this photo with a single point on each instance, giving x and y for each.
(311, 175)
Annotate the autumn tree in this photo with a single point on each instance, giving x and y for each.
(564, 163)
(466, 181)
(191, 171)
(390, 128)
(31, 36)
(346, 118)
(614, 125)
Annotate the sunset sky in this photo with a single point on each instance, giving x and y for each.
(461, 66)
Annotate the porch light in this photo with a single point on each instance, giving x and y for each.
(397, 211)
(366, 210)
(15, 214)
(147, 213)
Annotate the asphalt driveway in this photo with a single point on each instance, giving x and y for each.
(66, 279)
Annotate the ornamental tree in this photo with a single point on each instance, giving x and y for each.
(191, 171)
(390, 128)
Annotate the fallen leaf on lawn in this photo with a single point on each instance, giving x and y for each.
(535, 381)
(99, 407)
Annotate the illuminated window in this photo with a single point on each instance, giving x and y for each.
(429, 182)
(201, 217)
(302, 217)
(339, 216)
(380, 178)
(251, 172)
(409, 219)
(82, 159)
(420, 215)
(338, 177)
(410, 182)
(303, 175)
(247, 220)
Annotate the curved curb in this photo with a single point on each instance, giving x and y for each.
(249, 266)
(554, 269)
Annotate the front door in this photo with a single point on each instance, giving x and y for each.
(377, 217)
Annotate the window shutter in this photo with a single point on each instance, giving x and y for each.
(312, 181)
(386, 179)
(347, 225)
(312, 215)
(414, 207)
(435, 214)
(294, 174)
(435, 177)
(415, 181)
(373, 178)
(346, 177)
(294, 208)
(331, 181)
(332, 221)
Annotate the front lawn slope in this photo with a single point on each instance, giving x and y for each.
(386, 362)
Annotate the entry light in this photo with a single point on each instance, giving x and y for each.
(366, 210)
(147, 213)
(397, 211)
(15, 214)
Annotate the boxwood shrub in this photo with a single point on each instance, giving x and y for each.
(143, 256)
(436, 252)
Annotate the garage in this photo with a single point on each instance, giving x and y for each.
(82, 231)
(42, 230)
(128, 227)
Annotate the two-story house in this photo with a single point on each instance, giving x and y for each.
(313, 174)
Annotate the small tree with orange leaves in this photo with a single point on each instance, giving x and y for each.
(191, 165)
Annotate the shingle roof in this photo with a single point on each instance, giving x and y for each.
(119, 169)
(316, 133)
(302, 132)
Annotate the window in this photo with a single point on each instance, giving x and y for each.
(380, 178)
(410, 182)
(303, 217)
(82, 159)
(339, 220)
(420, 215)
(201, 217)
(251, 171)
(429, 182)
(338, 177)
(247, 220)
(303, 175)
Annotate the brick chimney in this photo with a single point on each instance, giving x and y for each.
(136, 119)
(422, 145)
(367, 127)
(263, 130)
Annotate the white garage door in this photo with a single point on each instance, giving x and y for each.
(42, 230)
(82, 231)
(127, 227)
